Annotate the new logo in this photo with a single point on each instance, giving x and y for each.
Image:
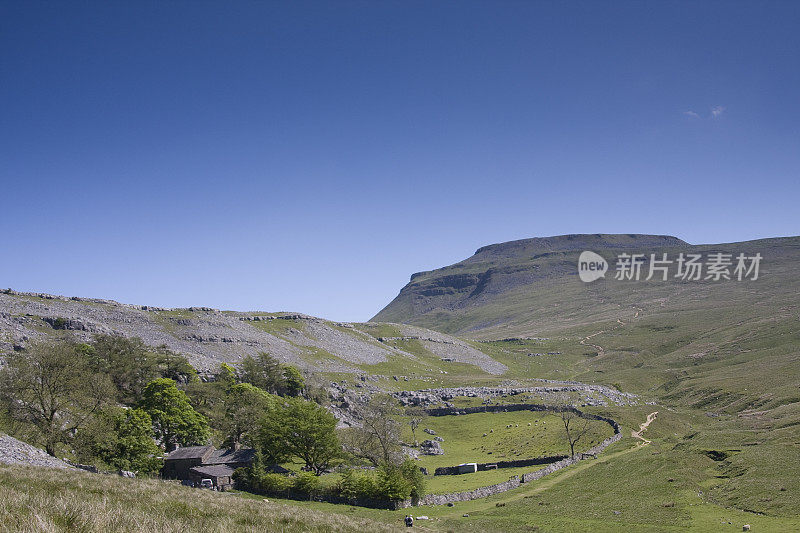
(591, 266)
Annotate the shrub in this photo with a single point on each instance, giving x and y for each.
(306, 483)
(392, 485)
(414, 475)
(357, 484)
(274, 483)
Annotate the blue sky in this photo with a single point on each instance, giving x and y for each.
(310, 156)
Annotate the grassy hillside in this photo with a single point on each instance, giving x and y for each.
(47, 500)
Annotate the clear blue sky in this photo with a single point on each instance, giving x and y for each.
(311, 156)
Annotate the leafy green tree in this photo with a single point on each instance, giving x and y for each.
(173, 365)
(175, 422)
(208, 398)
(306, 483)
(51, 391)
(125, 361)
(131, 364)
(392, 484)
(301, 429)
(400, 481)
(264, 372)
(245, 406)
(357, 484)
(293, 381)
(414, 475)
(122, 439)
(226, 376)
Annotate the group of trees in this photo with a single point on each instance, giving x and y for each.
(300, 429)
(121, 403)
(266, 373)
(108, 401)
(117, 402)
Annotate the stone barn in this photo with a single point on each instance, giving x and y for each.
(177, 465)
(220, 475)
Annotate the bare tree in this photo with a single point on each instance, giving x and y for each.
(575, 426)
(378, 438)
(416, 415)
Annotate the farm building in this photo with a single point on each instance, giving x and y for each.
(194, 463)
(179, 464)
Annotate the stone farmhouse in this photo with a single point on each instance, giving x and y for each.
(194, 463)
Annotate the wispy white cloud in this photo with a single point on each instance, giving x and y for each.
(717, 110)
(691, 114)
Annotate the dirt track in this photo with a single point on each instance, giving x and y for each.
(643, 427)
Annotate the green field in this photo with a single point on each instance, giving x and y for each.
(464, 443)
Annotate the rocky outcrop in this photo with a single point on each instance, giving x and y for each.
(431, 447)
(16, 452)
(591, 395)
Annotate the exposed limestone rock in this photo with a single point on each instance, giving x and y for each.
(16, 452)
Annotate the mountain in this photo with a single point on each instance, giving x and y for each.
(209, 337)
(531, 286)
(720, 358)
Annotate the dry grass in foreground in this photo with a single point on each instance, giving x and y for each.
(41, 499)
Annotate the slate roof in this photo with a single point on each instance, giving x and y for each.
(213, 470)
(220, 457)
(190, 452)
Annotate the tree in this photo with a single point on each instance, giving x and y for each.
(131, 364)
(264, 372)
(174, 420)
(416, 416)
(122, 439)
(293, 381)
(245, 406)
(208, 399)
(51, 389)
(226, 376)
(414, 475)
(392, 484)
(378, 438)
(575, 426)
(357, 484)
(302, 429)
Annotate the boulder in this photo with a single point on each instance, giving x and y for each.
(431, 447)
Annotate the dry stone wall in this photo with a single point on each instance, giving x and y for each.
(516, 481)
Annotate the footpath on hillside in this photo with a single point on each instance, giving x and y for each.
(643, 427)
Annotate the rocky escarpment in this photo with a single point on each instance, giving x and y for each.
(441, 298)
(209, 336)
(531, 286)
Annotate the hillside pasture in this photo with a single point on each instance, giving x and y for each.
(492, 437)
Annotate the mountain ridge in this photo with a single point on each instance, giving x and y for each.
(516, 282)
